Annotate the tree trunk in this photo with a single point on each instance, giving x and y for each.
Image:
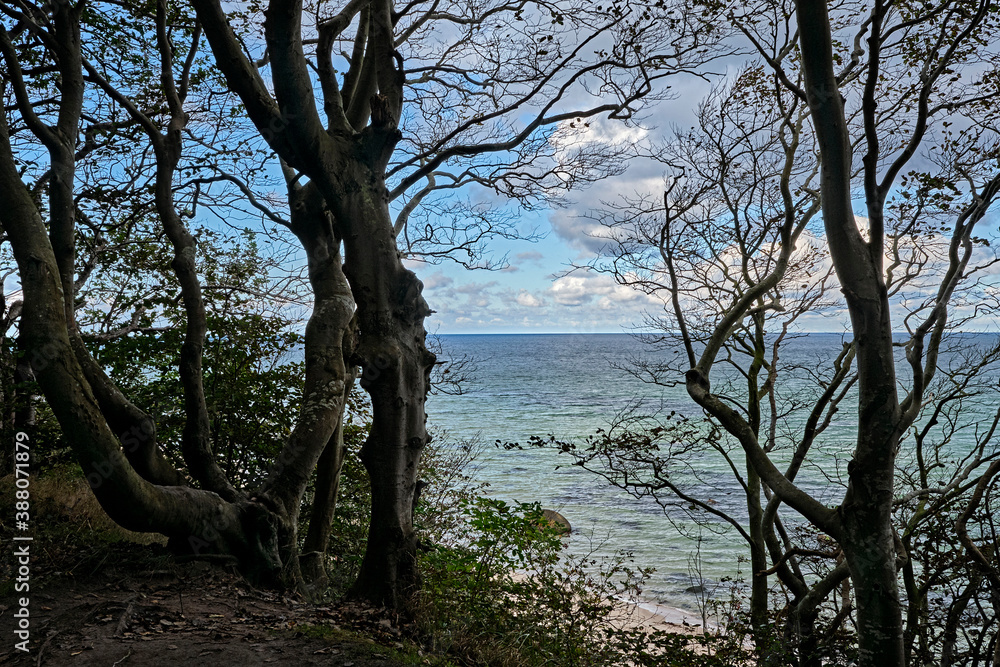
(768, 653)
(803, 614)
(868, 536)
(135, 429)
(396, 373)
(327, 488)
(198, 521)
(866, 532)
(324, 506)
(764, 638)
(347, 163)
(327, 373)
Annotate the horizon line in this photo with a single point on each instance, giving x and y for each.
(645, 333)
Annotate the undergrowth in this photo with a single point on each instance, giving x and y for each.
(501, 589)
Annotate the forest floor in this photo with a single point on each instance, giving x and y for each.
(101, 596)
(129, 613)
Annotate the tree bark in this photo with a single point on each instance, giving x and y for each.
(396, 374)
(327, 489)
(324, 507)
(135, 429)
(348, 165)
(867, 535)
(327, 374)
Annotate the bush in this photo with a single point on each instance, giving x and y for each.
(499, 587)
(510, 594)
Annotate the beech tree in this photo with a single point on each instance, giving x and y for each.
(910, 89)
(114, 440)
(945, 38)
(734, 169)
(474, 107)
(477, 100)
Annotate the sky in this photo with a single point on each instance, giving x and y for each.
(542, 289)
(545, 287)
(537, 293)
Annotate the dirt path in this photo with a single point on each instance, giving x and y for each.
(193, 614)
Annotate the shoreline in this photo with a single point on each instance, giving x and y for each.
(637, 613)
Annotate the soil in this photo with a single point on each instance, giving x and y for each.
(140, 607)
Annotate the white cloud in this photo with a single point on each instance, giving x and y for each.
(571, 291)
(473, 289)
(525, 298)
(530, 256)
(581, 288)
(436, 280)
(544, 306)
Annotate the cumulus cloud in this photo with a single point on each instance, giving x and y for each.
(582, 288)
(436, 280)
(571, 291)
(526, 298)
(475, 288)
(546, 306)
(580, 223)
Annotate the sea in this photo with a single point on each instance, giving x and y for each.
(568, 386)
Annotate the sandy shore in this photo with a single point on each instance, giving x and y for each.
(636, 613)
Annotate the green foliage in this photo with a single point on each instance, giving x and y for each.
(499, 587)
(133, 321)
(252, 385)
(510, 594)
(448, 488)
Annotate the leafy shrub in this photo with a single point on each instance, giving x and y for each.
(508, 593)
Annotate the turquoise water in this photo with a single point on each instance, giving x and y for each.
(567, 385)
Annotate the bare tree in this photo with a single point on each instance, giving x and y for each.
(710, 238)
(910, 88)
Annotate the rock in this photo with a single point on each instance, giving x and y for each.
(557, 520)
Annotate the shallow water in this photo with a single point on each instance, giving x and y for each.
(565, 385)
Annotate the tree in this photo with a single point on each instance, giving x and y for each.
(911, 88)
(502, 121)
(863, 523)
(474, 90)
(114, 440)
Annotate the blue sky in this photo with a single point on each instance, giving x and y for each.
(539, 292)
(534, 294)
